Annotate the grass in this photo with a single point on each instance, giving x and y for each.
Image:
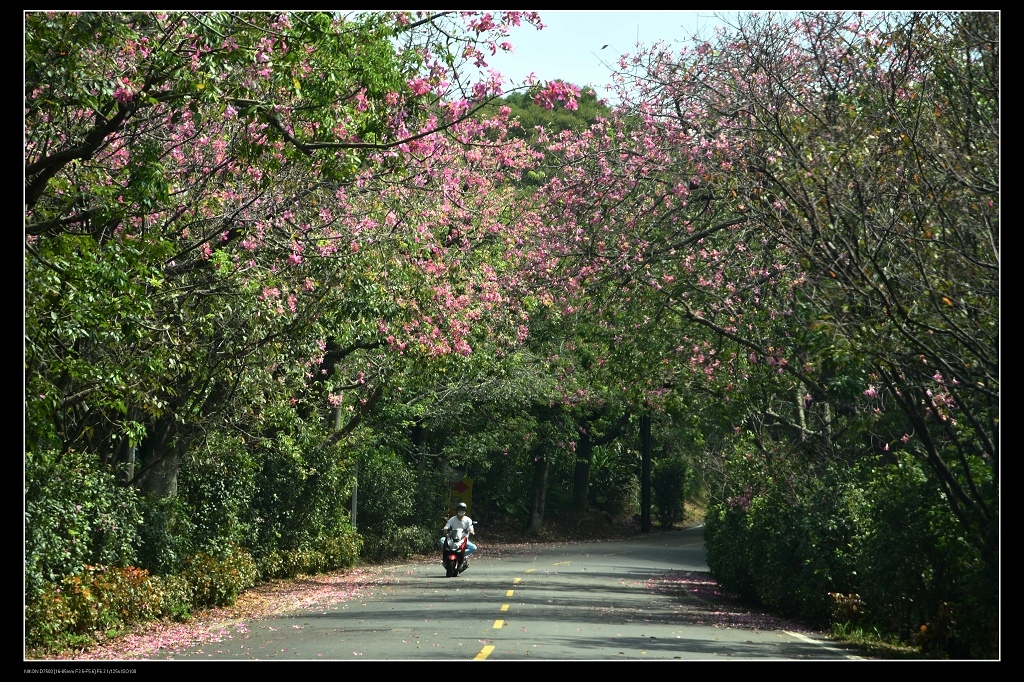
(874, 644)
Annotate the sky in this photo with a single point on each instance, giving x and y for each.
(572, 44)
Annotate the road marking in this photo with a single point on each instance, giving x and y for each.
(510, 593)
(563, 563)
(504, 607)
(804, 638)
(517, 581)
(498, 624)
(530, 570)
(484, 653)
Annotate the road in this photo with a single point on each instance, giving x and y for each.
(586, 601)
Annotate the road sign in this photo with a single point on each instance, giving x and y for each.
(462, 491)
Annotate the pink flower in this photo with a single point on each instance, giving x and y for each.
(124, 91)
(361, 103)
(419, 86)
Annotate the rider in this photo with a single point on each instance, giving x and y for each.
(461, 520)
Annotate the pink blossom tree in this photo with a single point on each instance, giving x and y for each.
(255, 195)
(787, 202)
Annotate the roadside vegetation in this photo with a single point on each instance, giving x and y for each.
(283, 266)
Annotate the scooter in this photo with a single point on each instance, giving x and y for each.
(453, 552)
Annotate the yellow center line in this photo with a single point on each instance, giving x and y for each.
(517, 581)
(484, 653)
(504, 607)
(563, 563)
(498, 624)
(510, 593)
(530, 570)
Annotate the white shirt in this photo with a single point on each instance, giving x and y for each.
(465, 523)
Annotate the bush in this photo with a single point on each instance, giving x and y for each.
(919, 576)
(98, 598)
(668, 486)
(614, 485)
(386, 493)
(301, 496)
(339, 551)
(76, 513)
(165, 535)
(399, 542)
(877, 536)
(218, 582)
(216, 488)
(177, 597)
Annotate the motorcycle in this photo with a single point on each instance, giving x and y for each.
(453, 552)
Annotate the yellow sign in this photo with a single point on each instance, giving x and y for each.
(462, 491)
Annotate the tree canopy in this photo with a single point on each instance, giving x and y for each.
(263, 250)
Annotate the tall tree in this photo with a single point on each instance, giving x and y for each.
(212, 200)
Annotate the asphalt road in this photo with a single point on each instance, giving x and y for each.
(587, 601)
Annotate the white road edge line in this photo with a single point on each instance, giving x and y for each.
(809, 640)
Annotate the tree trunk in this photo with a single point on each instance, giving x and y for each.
(540, 489)
(581, 476)
(645, 473)
(158, 462)
(160, 477)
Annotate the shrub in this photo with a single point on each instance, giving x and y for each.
(300, 497)
(216, 489)
(668, 486)
(98, 598)
(76, 513)
(386, 493)
(165, 535)
(614, 485)
(399, 542)
(177, 596)
(876, 536)
(338, 551)
(920, 578)
(219, 581)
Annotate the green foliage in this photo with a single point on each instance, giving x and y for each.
(668, 487)
(531, 115)
(103, 598)
(396, 507)
(528, 117)
(218, 581)
(217, 487)
(386, 542)
(75, 514)
(99, 598)
(876, 535)
(432, 495)
(165, 535)
(338, 551)
(916, 571)
(503, 489)
(386, 492)
(614, 483)
(300, 491)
